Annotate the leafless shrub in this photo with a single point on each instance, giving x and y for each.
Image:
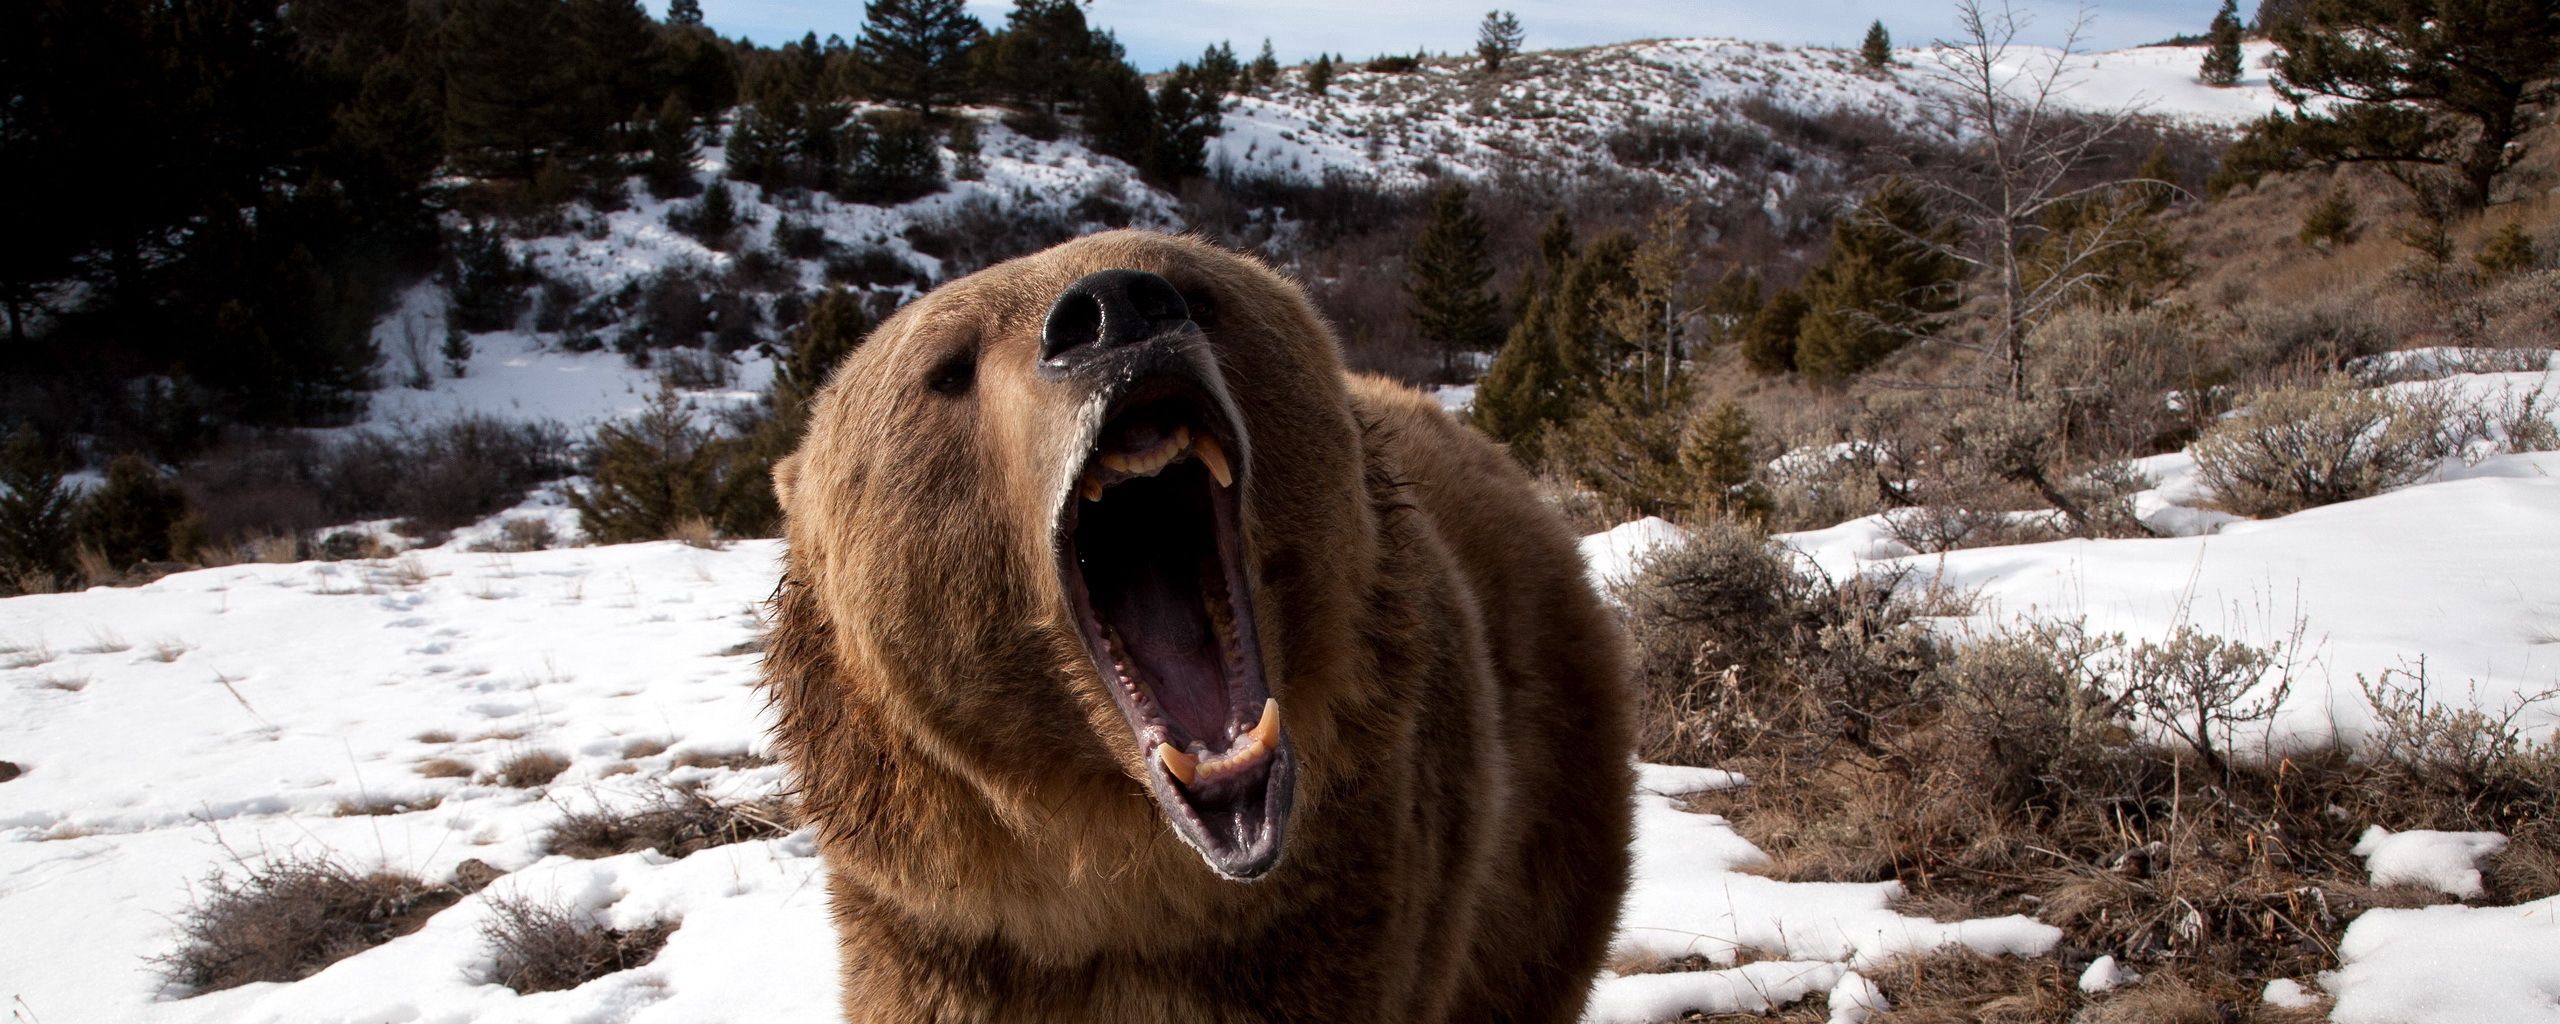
(2478, 755)
(697, 532)
(2295, 448)
(680, 822)
(286, 919)
(542, 947)
(1740, 648)
(519, 534)
(2201, 687)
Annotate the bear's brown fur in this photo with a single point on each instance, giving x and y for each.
(1452, 689)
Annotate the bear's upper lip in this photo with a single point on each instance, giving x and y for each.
(1151, 553)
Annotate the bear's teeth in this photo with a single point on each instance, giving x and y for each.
(1206, 449)
(1091, 486)
(1267, 731)
(1182, 766)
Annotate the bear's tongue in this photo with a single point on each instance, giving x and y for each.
(1160, 612)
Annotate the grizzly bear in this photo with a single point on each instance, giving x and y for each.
(1133, 662)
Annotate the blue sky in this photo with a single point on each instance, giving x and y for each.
(1160, 32)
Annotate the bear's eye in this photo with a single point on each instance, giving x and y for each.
(954, 375)
(1204, 307)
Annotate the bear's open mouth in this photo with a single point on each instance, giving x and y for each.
(1152, 559)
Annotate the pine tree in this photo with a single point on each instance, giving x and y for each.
(136, 516)
(2221, 65)
(714, 217)
(968, 160)
(35, 515)
(673, 151)
(1716, 452)
(1218, 73)
(760, 144)
(2508, 251)
(1119, 115)
(1045, 54)
(486, 284)
(1186, 118)
(456, 350)
(508, 97)
(2417, 83)
(2331, 222)
(1877, 51)
(1877, 289)
(1498, 38)
(613, 61)
(899, 162)
(1320, 74)
(684, 12)
(918, 50)
(1445, 279)
(1265, 70)
(1769, 339)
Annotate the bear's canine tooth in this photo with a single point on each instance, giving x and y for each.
(1091, 487)
(1206, 448)
(1267, 731)
(1181, 765)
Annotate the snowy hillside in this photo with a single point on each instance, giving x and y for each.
(370, 711)
(1556, 111)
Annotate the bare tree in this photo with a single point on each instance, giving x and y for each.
(2026, 156)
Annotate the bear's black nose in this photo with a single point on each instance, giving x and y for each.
(1108, 309)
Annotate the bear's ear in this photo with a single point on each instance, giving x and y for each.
(786, 473)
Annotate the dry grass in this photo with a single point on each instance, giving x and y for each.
(445, 768)
(697, 532)
(707, 759)
(679, 823)
(2007, 778)
(377, 806)
(67, 683)
(540, 947)
(530, 768)
(644, 747)
(169, 649)
(104, 641)
(434, 736)
(287, 919)
(25, 654)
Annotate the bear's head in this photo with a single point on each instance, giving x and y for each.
(1094, 517)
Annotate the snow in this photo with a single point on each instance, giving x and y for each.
(2449, 965)
(1855, 999)
(1615, 555)
(2288, 994)
(2448, 862)
(2105, 973)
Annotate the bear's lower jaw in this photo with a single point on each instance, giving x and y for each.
(1152, 559)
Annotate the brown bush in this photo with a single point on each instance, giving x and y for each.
(530, 768)
(679, 823)
(287, 919)
(540, 947)
(2289, 449)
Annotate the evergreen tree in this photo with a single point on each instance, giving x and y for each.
(684, 12)
(655, 474)
(714, 217)
(918, 50)
(35, 514)
(1498, 38)
(1320, 74)
(1769, 339)
(613, 67)
(456, 350)
(1119, 115)
(1265, 70)
(2508, 251)
(968, 160)
(899, 162)
(1560, 355)
(484, 283)
(2331, 222)
(1445, 278)
(508, 95)
(1877, 51)
(1186, 118)
(1218, 73)
(2222, 47)
(1045, 55)
(138, 515)
(1716, 453)
(673, 152)
(2439, 90)
(1879, 287)
(760, 144)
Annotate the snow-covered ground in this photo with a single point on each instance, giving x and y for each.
(217, 718)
